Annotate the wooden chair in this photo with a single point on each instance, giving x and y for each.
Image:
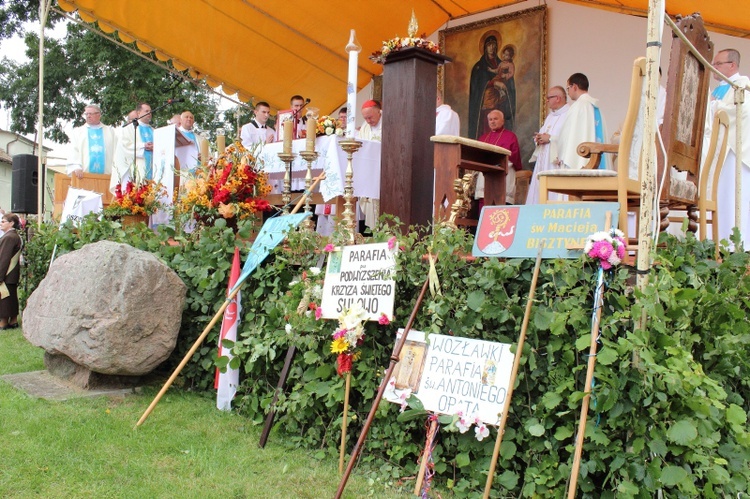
(592, 184)
(709, 182)
(684, 122)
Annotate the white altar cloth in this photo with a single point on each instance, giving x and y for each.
(332, 159)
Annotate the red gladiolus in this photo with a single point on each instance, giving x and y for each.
(344, 363)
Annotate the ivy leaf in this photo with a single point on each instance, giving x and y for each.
(508, 479)
(475, 300)
(534, 427)
(563, 432)
(606, 357)
(507, 449)
(551, 400)
(672, 475)
(463, 460)
(686, 294)
(411, 414)
(584, 342)
(682, 432)
(736, 415)
(543, 318)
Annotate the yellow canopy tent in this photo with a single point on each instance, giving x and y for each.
(273, 50)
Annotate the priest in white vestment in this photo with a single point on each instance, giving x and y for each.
(92, 145)
(584, 123)
(446, 119)
(547, 142)
(372, 129)
(727, 62)
(135, 147)
(192, 158)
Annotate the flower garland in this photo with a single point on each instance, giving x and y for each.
(328, 125)
(348, 337)
(396, 44)
(608, 248)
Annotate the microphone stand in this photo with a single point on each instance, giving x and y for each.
(135, 124)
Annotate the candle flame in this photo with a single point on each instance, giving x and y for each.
(353, 45)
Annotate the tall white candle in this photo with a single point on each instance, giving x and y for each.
(353, 48)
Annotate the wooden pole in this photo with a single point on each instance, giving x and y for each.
(514, 373)
(649, 195)
(188, 355)
(279, 387)
(394, 359)
(598, 302)
(342, 452)
(425, 455)
(205, 332)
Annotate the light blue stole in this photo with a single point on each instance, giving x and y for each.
(599, 132)
(720, 91)
(147, 135)
(96, 150)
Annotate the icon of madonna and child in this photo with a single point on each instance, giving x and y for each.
(492, 84)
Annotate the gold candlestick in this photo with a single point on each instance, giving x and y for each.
(350, 146)
(286, 195)
(308, 156)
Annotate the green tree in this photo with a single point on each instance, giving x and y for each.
(85, 68)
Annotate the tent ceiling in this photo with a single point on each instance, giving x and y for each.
(272, 50)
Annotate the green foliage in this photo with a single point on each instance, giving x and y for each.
(669, 403)
(87, 68)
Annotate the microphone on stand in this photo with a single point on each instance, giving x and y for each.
(172, 101)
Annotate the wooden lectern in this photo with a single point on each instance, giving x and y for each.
(409, 93)
(454, 155)
(91, 181)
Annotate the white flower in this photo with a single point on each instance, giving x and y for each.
(463, 424)
(353, 317)
(329, 130)
(481, 431)
(288, 328)
(316, 291)
(315, 270)
(403, 397)
(339, 132)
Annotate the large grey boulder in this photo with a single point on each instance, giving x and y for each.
(109, 308)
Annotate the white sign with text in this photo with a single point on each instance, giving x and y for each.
(360, 274)
(452, 374)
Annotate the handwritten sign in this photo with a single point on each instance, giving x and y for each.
(451, 374)
(518, 231)
(360, 274)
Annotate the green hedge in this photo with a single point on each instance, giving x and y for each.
(670, 403)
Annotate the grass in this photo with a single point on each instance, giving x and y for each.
(89, 447)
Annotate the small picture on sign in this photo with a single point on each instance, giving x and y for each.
(334, 262)
(489, 372)
(408, 371)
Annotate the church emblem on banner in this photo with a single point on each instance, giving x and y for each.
(497, 236)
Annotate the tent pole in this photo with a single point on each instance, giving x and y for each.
(648, 152)
(44, 7)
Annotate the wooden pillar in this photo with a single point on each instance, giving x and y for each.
(406, 174)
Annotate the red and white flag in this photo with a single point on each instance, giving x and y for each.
(226, 382)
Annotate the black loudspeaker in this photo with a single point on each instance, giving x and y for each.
(24, 184)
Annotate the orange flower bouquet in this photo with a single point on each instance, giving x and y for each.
(231, 187)
(136, 198)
